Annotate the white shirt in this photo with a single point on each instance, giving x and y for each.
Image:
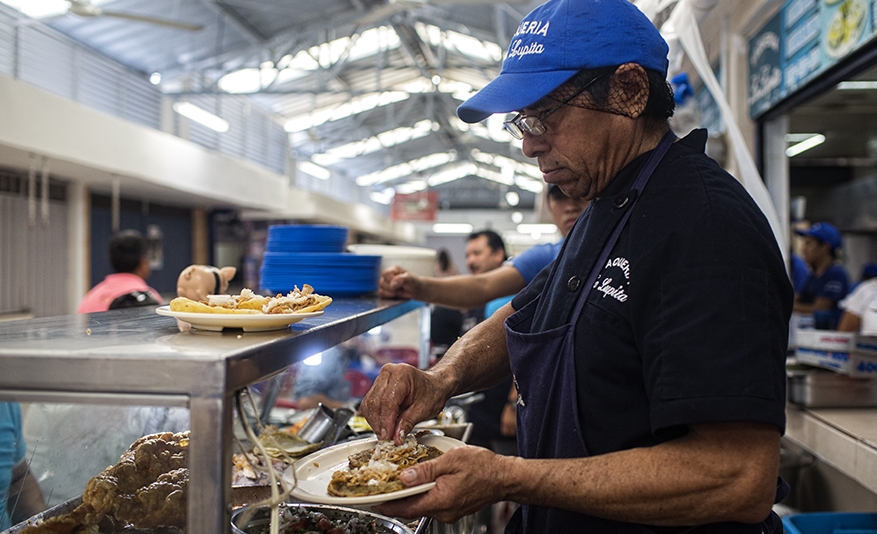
(863, 302)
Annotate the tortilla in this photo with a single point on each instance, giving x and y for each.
(376, 471)
(182, 304)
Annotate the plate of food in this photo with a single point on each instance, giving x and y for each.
(256, 322)
(249, 311)
(366, 472)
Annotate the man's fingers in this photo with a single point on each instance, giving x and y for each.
(377, 411)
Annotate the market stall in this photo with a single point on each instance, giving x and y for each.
(136, 357)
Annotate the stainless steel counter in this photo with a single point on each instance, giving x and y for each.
(134, 356)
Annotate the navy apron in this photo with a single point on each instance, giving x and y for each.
(548, 421)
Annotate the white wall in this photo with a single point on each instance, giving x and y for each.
(94, 147)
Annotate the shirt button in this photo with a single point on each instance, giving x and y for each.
(621, 201)
(574, 283)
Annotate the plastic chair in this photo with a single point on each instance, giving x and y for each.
(359, 383)
(397, 355)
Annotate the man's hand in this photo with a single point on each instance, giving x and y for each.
(467, 479)
(401, 397)
(397, 283)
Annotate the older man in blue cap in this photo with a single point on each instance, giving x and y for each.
(827, 283)
(650, 357)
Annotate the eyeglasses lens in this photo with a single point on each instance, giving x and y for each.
(522, 123)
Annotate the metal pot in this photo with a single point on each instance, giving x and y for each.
(260, 520)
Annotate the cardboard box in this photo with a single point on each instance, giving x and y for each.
(836, 361)
(863, 358)
(828, 349)
(843, 352)
(826, 340)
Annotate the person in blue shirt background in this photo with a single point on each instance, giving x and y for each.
(473, 290)
(20, 496)
(800, 272)
(827, 283)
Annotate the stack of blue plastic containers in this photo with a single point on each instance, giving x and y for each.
(314, 254)
(831, 523)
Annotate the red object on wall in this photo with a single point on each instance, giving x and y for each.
(419, 206)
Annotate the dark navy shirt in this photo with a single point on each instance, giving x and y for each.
(832, 284)
(688, 319)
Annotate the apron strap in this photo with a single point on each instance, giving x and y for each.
(641, 180)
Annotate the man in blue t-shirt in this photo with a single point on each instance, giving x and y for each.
(475, 290)
(827, 283)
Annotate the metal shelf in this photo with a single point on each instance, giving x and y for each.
(137, 357)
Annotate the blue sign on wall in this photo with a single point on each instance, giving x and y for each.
(800, 42)
(765, 67)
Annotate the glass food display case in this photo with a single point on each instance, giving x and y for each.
(134, 357)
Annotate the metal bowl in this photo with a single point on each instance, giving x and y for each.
(262, 517)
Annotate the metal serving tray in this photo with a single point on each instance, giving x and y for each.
(260, 518)
(820, 388)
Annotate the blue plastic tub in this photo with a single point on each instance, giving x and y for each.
(831, 523)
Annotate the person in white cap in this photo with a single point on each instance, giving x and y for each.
(650, 359)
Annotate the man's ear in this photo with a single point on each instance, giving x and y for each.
(629, 90)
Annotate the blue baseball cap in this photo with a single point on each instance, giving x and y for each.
(560, 38)
(825, 233)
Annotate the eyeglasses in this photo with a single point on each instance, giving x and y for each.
(533, 124)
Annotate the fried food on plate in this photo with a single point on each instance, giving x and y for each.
(296, 301)
(375, 471)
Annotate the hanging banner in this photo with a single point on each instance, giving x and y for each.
(420, 206)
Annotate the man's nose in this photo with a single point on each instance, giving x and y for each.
(534, 145)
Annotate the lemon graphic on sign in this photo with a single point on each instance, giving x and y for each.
(845, 27)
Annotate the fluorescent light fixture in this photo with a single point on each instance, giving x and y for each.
(382, 197)
(854, 85)
(536, 228)
(405, 169)
(459, 42)
(503, 161)
(350, 107)
(373, 144)
(411, 187)
(498, 177)
(452, 173)
(201, 116)
(806, 144)
(452, 228)
(314, 360)
(314, 170)
(41, 8)
(247, 80)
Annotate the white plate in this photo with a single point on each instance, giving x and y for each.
(314, 472)
(250, 322)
